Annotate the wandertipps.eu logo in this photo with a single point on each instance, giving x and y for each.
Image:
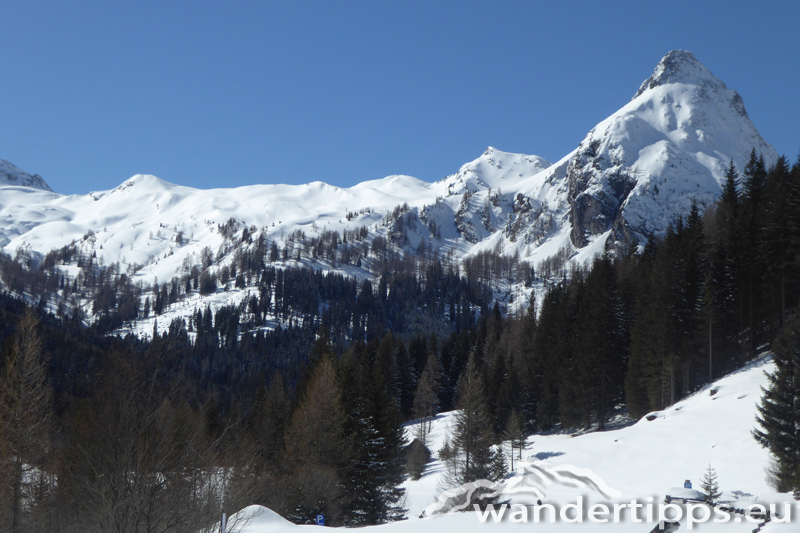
(492, 501)
(532, 479)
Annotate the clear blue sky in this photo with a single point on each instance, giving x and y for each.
(221, 94)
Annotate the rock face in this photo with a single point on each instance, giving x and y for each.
(643, 166)
(11, 175)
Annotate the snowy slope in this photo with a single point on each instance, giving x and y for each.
(139, 221)
(659, 454)
(646, 459)
(633, 174)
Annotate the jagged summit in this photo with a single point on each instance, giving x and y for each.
(680, 66)
(643, 166)
(10, 174)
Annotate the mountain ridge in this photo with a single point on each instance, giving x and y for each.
(632, 174)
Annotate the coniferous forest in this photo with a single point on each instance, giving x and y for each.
(217, 413)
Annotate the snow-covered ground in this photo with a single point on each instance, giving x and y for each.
(649, 459)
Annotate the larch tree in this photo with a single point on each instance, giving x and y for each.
(26, 422)
(426, 398)
(317, 451)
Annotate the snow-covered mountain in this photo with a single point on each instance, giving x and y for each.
(671, 144)
(11, 175)
(633, 174)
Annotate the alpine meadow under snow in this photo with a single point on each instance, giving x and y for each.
(601, 327)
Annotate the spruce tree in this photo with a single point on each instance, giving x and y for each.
(710, 487)
(595, 382)
(752, 263)
(267, 423)
(473, 428)
(374, 429)
(550, 348)
(777, 245)
(391, 453)
(779, 410)
(729, 200)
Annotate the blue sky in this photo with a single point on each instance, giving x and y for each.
(222, 94)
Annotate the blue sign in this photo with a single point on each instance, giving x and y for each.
(320, 519)
(687, 484)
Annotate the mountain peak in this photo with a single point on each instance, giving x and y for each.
(143, 180)
(10, 174)
(680, 66)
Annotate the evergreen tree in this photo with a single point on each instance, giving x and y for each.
(499, 467)
(550, 349)
(473, 428)
(374, 428)
(710, 487)
(529, 389)
(267, 423)
(729, 201)
(752, 263)
(779, 411)
(777, 246)
(595, 383)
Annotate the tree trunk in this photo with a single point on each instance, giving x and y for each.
(16, 494)
(710, 346)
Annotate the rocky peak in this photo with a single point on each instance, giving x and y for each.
(680, 66)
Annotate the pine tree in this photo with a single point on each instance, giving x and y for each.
(710, 487)
(779, 411)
